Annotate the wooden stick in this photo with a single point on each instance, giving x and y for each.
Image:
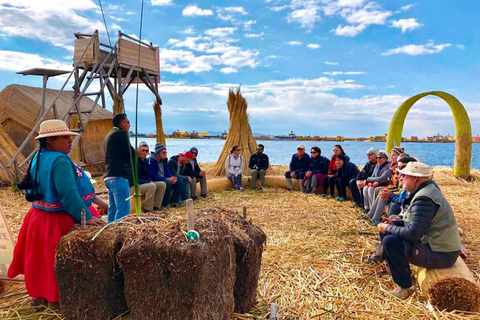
(244, 212)
(190, 215)
(84, 222)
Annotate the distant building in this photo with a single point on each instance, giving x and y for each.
(438, 137)
(449, 138)
(476, 139)
(413, 138)
(224, 134)
(180, 134)
(202, 134)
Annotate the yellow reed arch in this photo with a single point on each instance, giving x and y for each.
(463, 130)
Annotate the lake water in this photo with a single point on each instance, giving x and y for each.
(280, 152)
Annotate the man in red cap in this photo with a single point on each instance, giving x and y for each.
(176, 165)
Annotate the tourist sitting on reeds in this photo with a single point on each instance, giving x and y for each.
(298, 167)
(234, 167)
(176, 165)
(357, 184)
(427, 236)
(379, 179)
(329, 180)
(317, 171)
(378, 207)
(159, 172)
(258, 163)
(153, 191)
(346, 171)
(198, 175)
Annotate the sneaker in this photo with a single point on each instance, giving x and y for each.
(253, 188)
(261, 188)
(241, 189)
(356, 206)
(194, 198)
(402, 293)
(337, 198)
(341, 199)
(204, 196)
(374, 259)
(330, 196)
(314, 192)
(307, 191)
(289, 189)
(323, 195)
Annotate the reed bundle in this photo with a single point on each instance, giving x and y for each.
(157, 109)
(239, 133)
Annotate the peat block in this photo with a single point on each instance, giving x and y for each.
(455, 294)
(249, 241)
(169, 278)
(90, 283)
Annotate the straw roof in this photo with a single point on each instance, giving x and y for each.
(7, 150)
(22, 104)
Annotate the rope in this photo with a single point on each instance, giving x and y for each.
(105, 22)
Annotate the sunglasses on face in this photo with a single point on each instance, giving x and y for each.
(194, 153)
(369, 154)
(259, 149)
(144, 150)
(313, 152)
(379, 157)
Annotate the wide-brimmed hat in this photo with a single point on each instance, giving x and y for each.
(54, 128)
(416, 169)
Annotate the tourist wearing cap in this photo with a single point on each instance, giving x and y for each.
(234, 167)
(159, 171)
(380, 178)
(198, 175)
(154, 191)
(317, 171)
(357, 184)
(346, 171)
(118, 155)
(60, 191)
(329, 180)
(258, 163)
(298, 167)
(176, 165)
(427, 236)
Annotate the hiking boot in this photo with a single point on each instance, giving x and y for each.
(402, 293)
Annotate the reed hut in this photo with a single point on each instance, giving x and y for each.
(239, 132)
(20, 110)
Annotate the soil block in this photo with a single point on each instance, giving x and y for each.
(90, 283)
(249, 241)
(169, 278)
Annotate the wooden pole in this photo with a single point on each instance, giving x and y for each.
(84, 222)
(190, 215)
(244, 212)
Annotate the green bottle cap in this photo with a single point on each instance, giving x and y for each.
(193, 235)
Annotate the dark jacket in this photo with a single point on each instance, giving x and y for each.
(366, 172)
(117, 154)
(318, 165)
(299, 165)
(175, 169)
(258, 161)
(143, 172)
(332, 166)
(349, 171)
(381, 174)
(192, 172)
(154, 168)
(422, 211)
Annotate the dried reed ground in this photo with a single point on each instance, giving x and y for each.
(313, 263)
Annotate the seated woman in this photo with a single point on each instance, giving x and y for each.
(60, 192)
(317, 171)
(234, 167)
(329, 180)
(346, 171)
(380, 178)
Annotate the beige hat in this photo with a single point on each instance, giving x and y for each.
(300, 146)
(54, 128)
(416, 169)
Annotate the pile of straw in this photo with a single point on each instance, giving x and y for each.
(313, 265)
(9, 176)
(239, 133)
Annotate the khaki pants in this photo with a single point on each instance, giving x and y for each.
(203, 186)
(255, 175)
(153, 192)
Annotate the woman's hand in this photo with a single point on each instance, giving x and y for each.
(96, 222)
(375, 184)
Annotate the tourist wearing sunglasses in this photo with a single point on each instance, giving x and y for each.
(258, 163)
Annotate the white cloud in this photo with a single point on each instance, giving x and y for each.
(370, 14)
(220, 32)
(192, 10)
(189, 30)
(161, 2)
(329, 63)
(460, 46)
(238, 10)
(254, 35)
(294, 43)
(247, 25)
(415, 50)
(313, 46)
(18, 61)
(306, 16)
(339, 73)
(53, 21)
(279, 8)
(407, 7)
(406, 24)
(228, 70)
(349, 31)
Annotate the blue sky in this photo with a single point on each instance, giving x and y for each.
(317, 67)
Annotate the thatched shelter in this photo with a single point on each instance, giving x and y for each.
(7, 150)
(239, 133)
(20, 110)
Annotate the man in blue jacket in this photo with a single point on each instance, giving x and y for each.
(298, 167)
(159, 172)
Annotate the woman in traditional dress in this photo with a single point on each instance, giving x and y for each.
(60, 191)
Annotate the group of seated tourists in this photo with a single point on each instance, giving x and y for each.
(397, 194)
(258, 165)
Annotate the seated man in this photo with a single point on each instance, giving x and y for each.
(258, 163)
(298, 167)
(198, 176)
(357, 184)
(153, 191)
(176, 165)
(159, 172)
(428, 234)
